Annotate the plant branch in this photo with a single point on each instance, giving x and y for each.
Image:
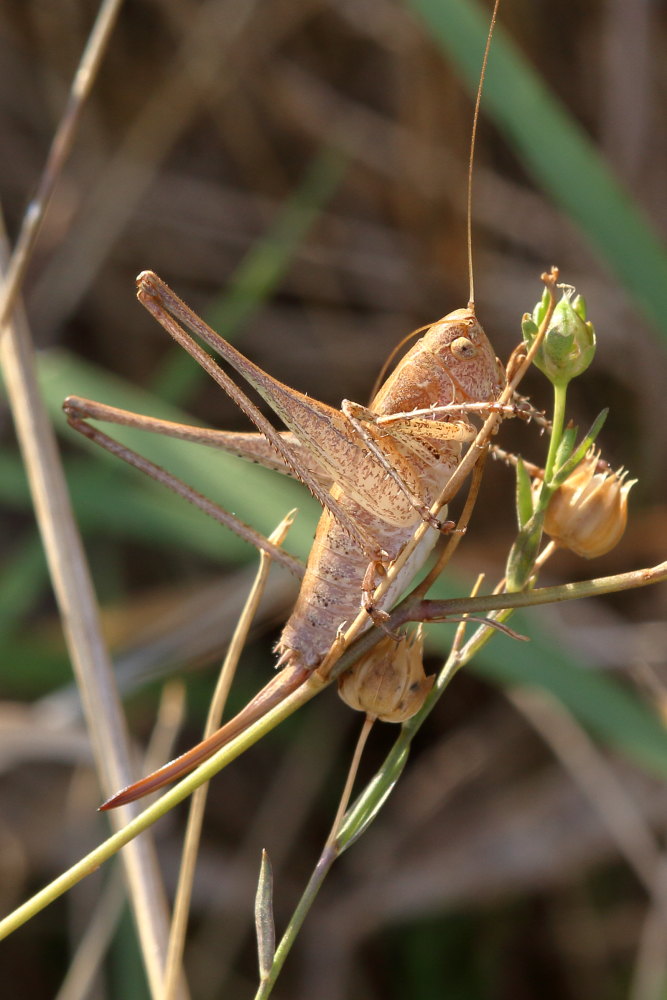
(440, 610)
(74, 593)
(61, 144)
(108, 848)
(198, 801)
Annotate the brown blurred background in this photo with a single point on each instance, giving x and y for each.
(492, 873)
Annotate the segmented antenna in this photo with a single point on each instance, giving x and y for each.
(473, 137)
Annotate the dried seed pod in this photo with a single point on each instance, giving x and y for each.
(389, 683)
(588, 513)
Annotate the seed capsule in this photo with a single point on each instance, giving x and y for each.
(389, 683)
(589, 512)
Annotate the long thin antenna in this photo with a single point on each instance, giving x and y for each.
(473, 137)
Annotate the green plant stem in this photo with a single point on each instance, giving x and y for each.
(430, 610)
(320, 872)
(388, 774)
(558, 420)
(330, 852)
(92, 861)
(367, 806)
(369, 803)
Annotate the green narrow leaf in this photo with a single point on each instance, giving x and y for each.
(583, 448)
(261, 270)
(363, 811)
(567, 443)
(264, 922)
(524, 494)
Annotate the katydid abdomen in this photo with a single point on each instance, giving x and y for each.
(453, 363)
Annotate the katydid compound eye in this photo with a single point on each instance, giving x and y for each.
(463, 348)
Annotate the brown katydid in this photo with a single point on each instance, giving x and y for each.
(377, 472)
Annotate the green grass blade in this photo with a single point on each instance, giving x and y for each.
(553, 147)
(261, 270)
(256, 495)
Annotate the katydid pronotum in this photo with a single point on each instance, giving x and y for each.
(376, 471)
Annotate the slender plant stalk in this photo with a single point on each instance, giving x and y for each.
(198, 802)
(85, 75)
(301, 696)
(440, 610)
(76, 599)
(330, 853)
(92, 861)
(351, 777)
(560, 395)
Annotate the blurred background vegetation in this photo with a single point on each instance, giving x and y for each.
(296, 171)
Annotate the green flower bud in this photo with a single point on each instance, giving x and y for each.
(569, 343)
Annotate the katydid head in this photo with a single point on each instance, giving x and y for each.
(460, 348)
(452, 363)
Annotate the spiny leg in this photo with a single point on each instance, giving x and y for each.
(418, 424)
(423, 427)
(368, 587)
(77, 416)
(522, 408)
(164, 305)
(250, 446)
(361, 418)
